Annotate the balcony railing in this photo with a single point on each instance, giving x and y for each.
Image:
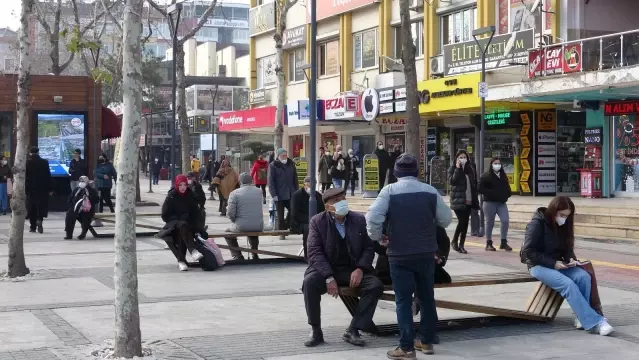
(591, 54)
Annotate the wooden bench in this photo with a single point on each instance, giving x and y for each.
(248, 250)
(543, 305)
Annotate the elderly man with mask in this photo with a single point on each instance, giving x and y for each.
(340, 253)
(282, 183)
(245, 211)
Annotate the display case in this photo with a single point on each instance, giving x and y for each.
(570, 158)
(591, 172)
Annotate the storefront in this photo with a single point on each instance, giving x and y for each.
(623, 117)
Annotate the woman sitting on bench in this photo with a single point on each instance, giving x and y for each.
(548, 251)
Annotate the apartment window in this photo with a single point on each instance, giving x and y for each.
(417, 31)
(365, 49)
(458, 26)
(266, 76)
(9, 65)
(296, 65)
(240, 36)
(328, 58)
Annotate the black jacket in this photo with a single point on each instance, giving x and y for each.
(457, 181)
(198, 192)
(5, 173)
(78, 168)
(78, 194)
(339, 174)
(495, 188)
(156, 167)
(383, 159)
(392, 159)
(541, 245)
(180, 208)
(299, 209)
(38, 177)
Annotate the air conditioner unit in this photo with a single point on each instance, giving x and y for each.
(417, 5)
(437, 65)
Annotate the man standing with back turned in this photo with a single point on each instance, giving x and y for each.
(411, 210)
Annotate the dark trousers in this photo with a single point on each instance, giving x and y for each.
(414, 275)
(254, 242)
(279, 207)
(382, 178)
(34, 212)
(304, 238)
(476, 227)
(83, 218)
(183, 240)
(326, 186)
(352, 181)
(156, 179)
(223, 204)
(105, 198)
(263, 187)
(463, 217)
(371, 289)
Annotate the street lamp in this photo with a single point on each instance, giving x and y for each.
(174, 11)
(312, 102)
(488, 30)
(95, 55)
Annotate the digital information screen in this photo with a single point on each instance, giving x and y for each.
(58, 136)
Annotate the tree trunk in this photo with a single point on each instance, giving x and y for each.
(128, 338)
(138, 195)
(181, 113)
(408, 60)
(17, 264)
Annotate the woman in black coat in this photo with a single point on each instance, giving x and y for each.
(299, 210)
(352, 162)
(383, 162)
(397, 151)
(181, 214)
(82, 204)
(463, 197)
(495, 188)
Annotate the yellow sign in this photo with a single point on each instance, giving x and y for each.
(525, 164)
(525, 142)
(524, 118)
(524, 158)
(546, 121)
(524, 187)
(301, 167)
(511, 178)
(450, 93)
(525, 152)
(524, 130)
(525, 175)
(371, 173)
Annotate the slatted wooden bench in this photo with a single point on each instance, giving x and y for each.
(542, 306)
(248, 250)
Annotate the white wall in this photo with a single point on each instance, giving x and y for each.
(206, 55)
(297, 15)
(264, 45)
(226, 57)
(190, 57)
(242, 68)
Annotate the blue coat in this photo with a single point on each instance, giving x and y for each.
(108, 170)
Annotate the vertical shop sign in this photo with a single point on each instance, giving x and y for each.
(546, 131)
(371, 176)
(525, 136)
(422, 159)
(301, 167)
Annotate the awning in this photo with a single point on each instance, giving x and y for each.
(111, 127)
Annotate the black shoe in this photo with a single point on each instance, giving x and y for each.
(239, 257)
(474, 234)
(504, 246)
(39, 225)
(352, 337)
(490, 247)
(255, 257)
(82, 236)
(462, 249)
(455, 246)
(264, 201)
(32, 230)
(68, 237)
(4, 213)
(315, 339)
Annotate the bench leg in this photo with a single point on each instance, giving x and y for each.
(544, 301)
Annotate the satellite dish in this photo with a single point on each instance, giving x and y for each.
(510, 44)
(535, 6)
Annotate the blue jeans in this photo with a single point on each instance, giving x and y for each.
(573, 284)
(4, 197)
(416, 274)
(337, 183)
(156, 179)
(490, 210)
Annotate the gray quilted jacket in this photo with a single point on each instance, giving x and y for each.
(245, 209)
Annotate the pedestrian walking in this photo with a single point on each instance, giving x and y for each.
(463, 197)
(494, 186)
(397, 151)
(338, 167)
(77, 168)
(245, 213)
(104, 175)
(156, 167)
(5, 176)
(324, 169)
(411, 211)
(352, 176)
(549, 253)
(81, 208)
(195, 166)
(383, 163)
(282, 183)
(215, 168)
(226, 180)
(38, 188)
(299, 211)
(259, 174)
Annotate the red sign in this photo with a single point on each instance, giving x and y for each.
(548, 63)
(572, 58)
(247, 119)
(621, 108)
(342, 107)
(328, 8)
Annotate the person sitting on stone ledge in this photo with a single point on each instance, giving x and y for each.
(340, 253)
(245, 211)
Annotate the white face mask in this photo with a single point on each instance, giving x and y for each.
(381, 147)
(327, 153)
(560, 220)
(308, 190)
(82, 185)
(190, 182)
(350, 153)
(4, 162)
(496, 167)
(284, 161)
(156, 160)
(341, 208)
(463, 161)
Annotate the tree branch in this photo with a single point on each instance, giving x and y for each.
(159, 9)
(112, 18)
(200, 23)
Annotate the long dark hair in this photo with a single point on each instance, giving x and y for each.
(567, 231)
(468, 167)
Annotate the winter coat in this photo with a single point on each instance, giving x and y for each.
(198, 192)
(323, 243)
(227, 181)
(38, 184)
(495, 188)
(5, 173)
(245, 209)
(216, 167)
(541, 245)
(78, 194)
(299, 209)
(104, 169)
(324, 169)
(259, 172)
(457, 181)
(338, 159)
(282, 180)
(180, 208)
(351, 165)
(78, 168)
(391, 166)
(383, 159)
(156, 167)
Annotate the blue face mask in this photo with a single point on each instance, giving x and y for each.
(341, 208)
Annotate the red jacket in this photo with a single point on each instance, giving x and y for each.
(258, 165)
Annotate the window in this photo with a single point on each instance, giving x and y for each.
(206, 34)
(365, 49)
(458, 26)
(240, 36)
(240, 14)
(266, 76)
(328, 61)
(417, 30)
(9, 65)
(296, 65)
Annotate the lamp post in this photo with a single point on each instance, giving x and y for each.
(95, 55)
(488, 30)
(312, 102)
(174, 11)
(213, 97)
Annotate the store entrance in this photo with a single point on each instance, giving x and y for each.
(571, 151)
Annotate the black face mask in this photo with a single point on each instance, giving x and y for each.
(100, 161)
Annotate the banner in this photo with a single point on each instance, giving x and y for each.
(546, 131)
(301, 166)
(525, 137)
(371, 176)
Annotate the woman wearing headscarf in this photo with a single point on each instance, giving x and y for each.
(463, 197)
(226, 181)
(82, 204)
(181, 215)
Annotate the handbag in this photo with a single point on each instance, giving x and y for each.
(212, 246)
(595, 301)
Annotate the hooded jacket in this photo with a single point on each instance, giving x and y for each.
(259, 172)
(541, 245)
(495, 188)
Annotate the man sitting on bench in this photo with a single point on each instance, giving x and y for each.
(339, 253)
(245, 211)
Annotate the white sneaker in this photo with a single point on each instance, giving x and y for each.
(605, 329)
(578, 324)
(182, 266)
(196, 255)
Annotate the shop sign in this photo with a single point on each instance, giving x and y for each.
(329, 8)
(547, 188)
(546, 137)
(392, 124)
(546, 121)
(370, 104)
(386, 95)
(225, 23)
(546, 175)
(594, 136)
(298, 112)
(199, 124)
(448, 93)
(386, 108)
(294, 37)
(497, 119)
(247, 119)
(619, 108)
(546, 149)
(371, 174)
(466, 56)
(301, 167)
(343, 107)
(546, 162)
(546, 152)
(262, 19)
(525, 136)
(572, 58)
(554, 60)
(257, 96)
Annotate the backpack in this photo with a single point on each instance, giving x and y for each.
(86, 204)
(210, 243)
(262, 174)
(208, 262)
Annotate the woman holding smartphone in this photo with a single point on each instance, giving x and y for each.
(463, 197)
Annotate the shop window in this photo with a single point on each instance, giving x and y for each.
(363, 145)
(296, 65)
(571, 149)
(417, 30)
(328, 58)
(266, 76)
(458, 26)
(626, 177)
(365, 49)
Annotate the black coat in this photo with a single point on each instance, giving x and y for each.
(495, 188)
(5, 173)
(392, 159)
(383, 159)
(542, 246)
(299, 209)
(156, 167)
(339, 174)
(38, 184)
(78, 168)
(351, 166)
(180, 208)
(78, 194)
(457, 181)
(198, 192)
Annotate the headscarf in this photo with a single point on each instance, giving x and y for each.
(178, 180)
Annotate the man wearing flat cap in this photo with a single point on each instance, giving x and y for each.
(340, 253)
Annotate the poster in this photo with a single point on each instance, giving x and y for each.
(371, 175)
(301, 167)
(546, 159)
(58, 137)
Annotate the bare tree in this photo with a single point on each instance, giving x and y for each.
(128, 338)
(283, 6)
(410, 72)
(181, 77)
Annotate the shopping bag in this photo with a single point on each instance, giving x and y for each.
(210, 243)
